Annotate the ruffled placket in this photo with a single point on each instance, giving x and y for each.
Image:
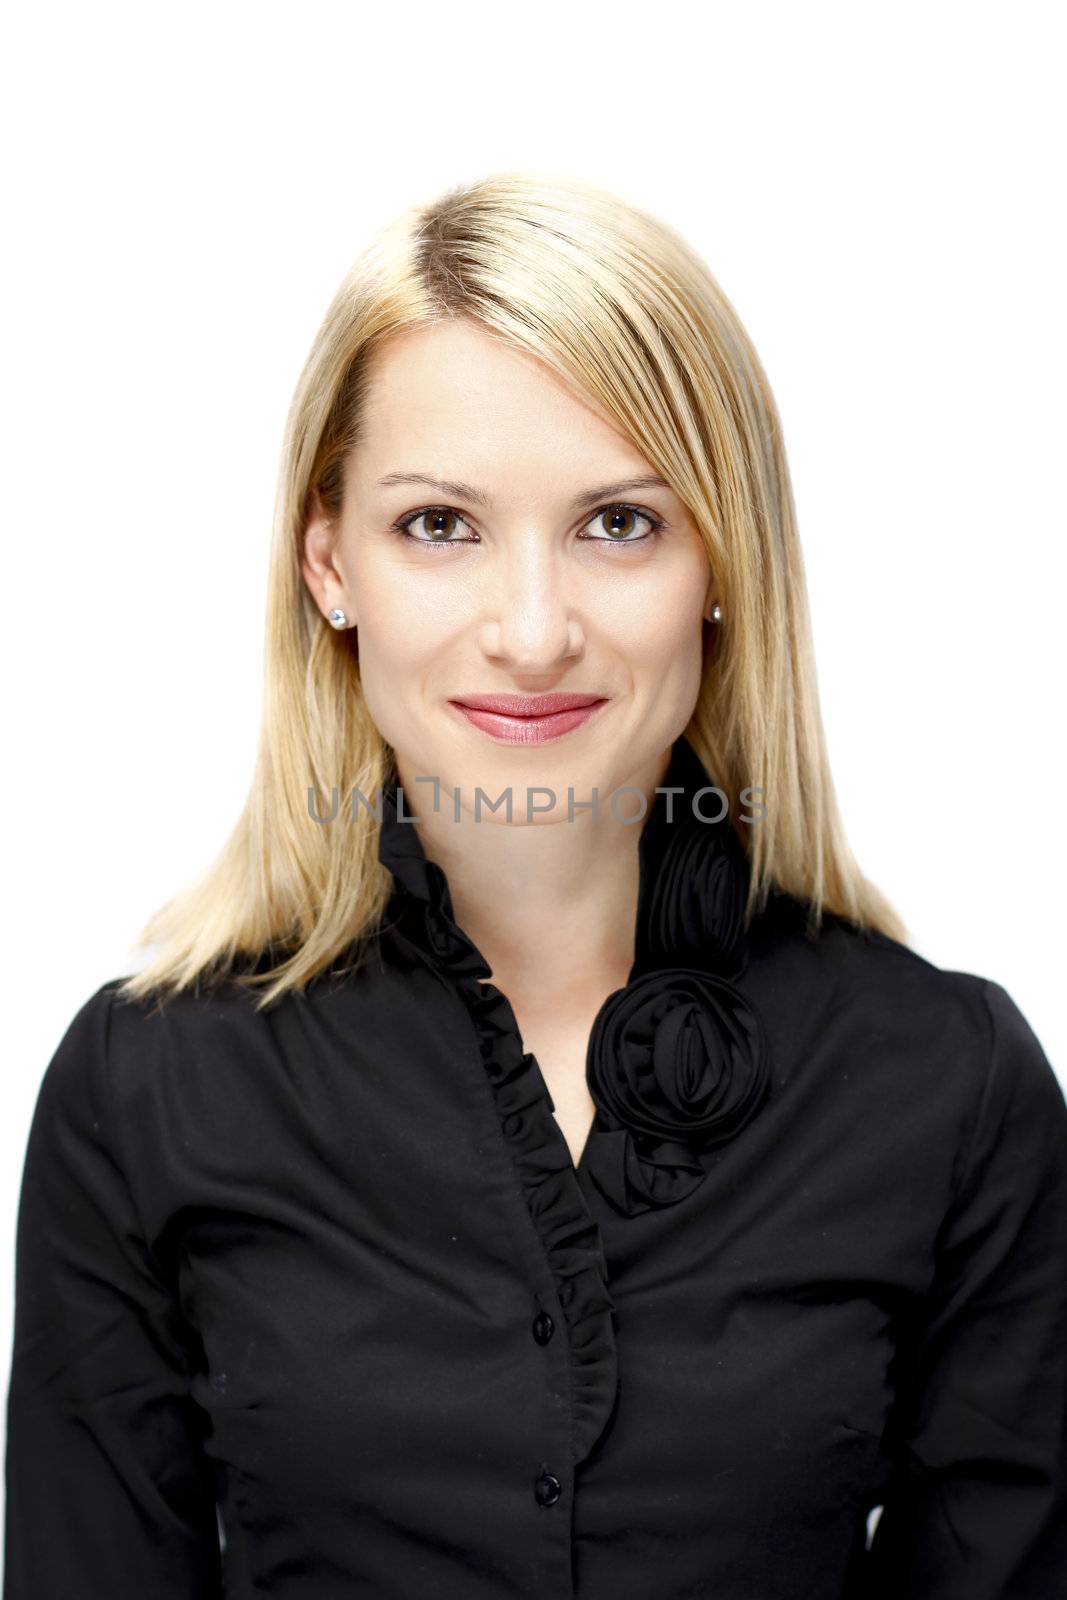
(677, 1062)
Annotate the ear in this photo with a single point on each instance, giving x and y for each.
(318, 561)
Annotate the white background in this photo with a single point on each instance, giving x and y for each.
(876, 189)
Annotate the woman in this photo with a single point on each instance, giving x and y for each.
(534, 1163)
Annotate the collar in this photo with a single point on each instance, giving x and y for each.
(677, 1061)
(693, 876)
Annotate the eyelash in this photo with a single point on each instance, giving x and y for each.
(401, 526)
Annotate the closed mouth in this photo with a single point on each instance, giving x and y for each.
(528, 707)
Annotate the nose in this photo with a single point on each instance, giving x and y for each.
(530, 624)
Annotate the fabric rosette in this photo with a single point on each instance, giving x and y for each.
(677, 1065)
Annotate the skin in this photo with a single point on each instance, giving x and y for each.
(531, 596)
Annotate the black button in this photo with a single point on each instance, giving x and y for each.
(543, 1327)
(547, 1489)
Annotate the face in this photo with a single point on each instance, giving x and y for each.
(487, 546)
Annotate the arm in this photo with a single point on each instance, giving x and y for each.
(977, 1507)
(108, 1491)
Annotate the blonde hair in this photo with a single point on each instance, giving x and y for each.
(624, 311)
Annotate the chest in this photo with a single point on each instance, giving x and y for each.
(375, 1346)
(562, 1063)
(556, 1031)
(369, 1246)
(560, 1042)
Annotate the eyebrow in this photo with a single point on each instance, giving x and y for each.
(466, 491)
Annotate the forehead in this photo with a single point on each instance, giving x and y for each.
(474, 403)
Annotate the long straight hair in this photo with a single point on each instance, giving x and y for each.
(626, 313)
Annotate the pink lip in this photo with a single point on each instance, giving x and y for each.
(528, 719)
(526, 705)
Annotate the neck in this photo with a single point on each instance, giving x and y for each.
(546, 902)
(519, 884)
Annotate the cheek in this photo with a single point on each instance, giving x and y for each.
(402, 625)
(395, 654)
(656, 626)
(403, 637)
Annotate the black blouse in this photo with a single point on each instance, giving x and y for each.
(314, 1302)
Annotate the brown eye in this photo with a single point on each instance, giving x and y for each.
(440, 524)
(618, 524)
(619, 521)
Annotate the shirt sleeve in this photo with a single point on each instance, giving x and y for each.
(977, 1505)
(109, 1492)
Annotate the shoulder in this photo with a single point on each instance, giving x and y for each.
(219, 1049)
(857, 1001)
(73, 1087)
(840, 961)
(117, 1050)
(168, 1090)
(199, 1043)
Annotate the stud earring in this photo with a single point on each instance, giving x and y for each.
(337, 618)
(716, 614)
